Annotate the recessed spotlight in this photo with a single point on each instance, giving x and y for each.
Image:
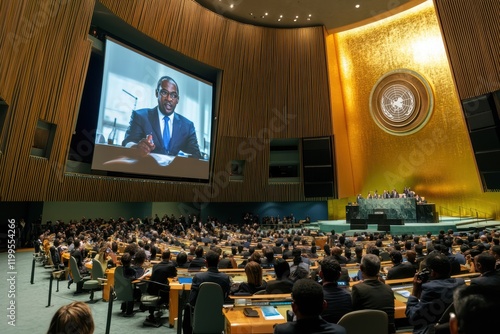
(310, 15)
(294, 20)
(308, 19)
(297, 17)
(357, 6)
(262, 16)
(265, 14)
(251, 14)
(231, 6)
(281, 16)
(279, 20)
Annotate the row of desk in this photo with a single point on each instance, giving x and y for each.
(237, 322)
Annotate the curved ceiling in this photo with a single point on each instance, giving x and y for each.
(333, 14)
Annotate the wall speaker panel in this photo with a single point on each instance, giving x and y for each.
(488, 161)
(478, 105)
(491, 180)
(318, 189)
(316, 151)
(318, 174)
(481, 121)
(485, 139)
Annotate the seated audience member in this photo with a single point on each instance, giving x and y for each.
(287, 252)
(211, 275)
(308, 303)
(338, 299)
(372, 293)
(181, 260)
(399, 268)
(77, 254)
(138, 262)
(337, 254)
(72, 318)
(282, 283)
(495, 250)
(298, 268)
(268, 261)
(227, 262)
(475, 309)
(411, 257)
(130, 273)
(199, 261)
(160, 274)
(455, 265)
(430, 298)
(485, 264)
(326, 249)
(254, 282)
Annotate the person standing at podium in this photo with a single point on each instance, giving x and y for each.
(160, 129)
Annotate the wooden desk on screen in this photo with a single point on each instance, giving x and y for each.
(120, 159)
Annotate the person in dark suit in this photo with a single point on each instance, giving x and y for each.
(338, 299)
(485, 264)
(429, 299)
(160, 274)
(475, 309)
(308, 303)
(211, 275)
(372, 293)
(160, 129)
(399, 268)
(281, 284)
(227, 261)
(199, 261)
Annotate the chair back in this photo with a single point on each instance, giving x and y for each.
(75, 271)
(365, 321)
(208, 317)
(97, 271)
(123, 286)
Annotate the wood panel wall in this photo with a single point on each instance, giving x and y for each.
(274, 85)
(471, 32)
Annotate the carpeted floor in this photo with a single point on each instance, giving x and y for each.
(30, 300)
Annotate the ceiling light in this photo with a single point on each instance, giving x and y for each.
(294, 20)
(279, 20)
(357, 6)
(310, 15)
(308, 19)
(231, 6)
(297, 17)
(281, 16)
(265, 14)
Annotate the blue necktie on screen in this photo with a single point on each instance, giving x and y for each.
(166, 133)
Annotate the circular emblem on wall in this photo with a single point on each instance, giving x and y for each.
(401, 102)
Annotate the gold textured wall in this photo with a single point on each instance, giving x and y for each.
(437, 161)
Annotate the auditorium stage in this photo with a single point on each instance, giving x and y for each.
(445, 223)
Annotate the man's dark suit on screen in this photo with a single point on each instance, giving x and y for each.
(144, 122)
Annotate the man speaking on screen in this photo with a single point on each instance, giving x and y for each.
(160, 129)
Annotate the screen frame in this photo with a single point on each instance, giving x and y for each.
(106, 24)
